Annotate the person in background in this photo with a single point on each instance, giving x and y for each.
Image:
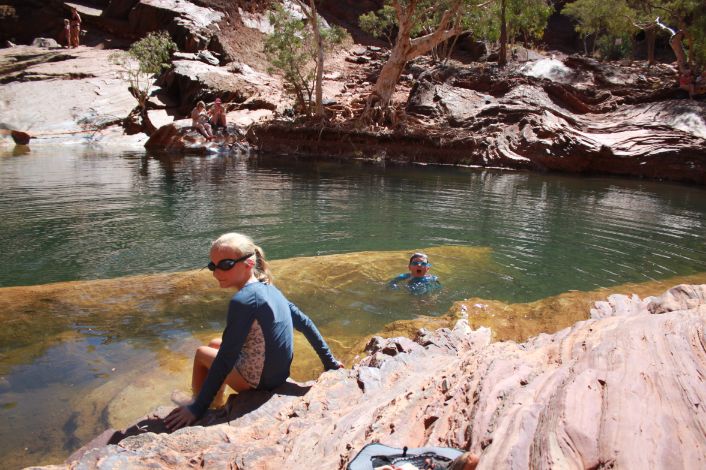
(257, 345)
(217, 115)
(75, 28)
(65, 34)
(199, 120)
(417, 280)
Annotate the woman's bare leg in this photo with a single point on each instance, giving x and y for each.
(202, 363)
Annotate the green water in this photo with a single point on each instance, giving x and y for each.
(77, 359)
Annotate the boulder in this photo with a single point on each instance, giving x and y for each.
(45, 42)
(622, 391)
(119, 9)
(191, 26)
(180, 137)
(64, 96)
(192, 81)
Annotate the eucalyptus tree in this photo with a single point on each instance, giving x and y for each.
(411, 16)
(144, 59)
(684, 20)
(296, 49)
(689, 18)
(423, 25)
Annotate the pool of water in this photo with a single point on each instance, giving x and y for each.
(102, 305)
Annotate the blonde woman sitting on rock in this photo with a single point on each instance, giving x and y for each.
(257, 346)
(199, 119)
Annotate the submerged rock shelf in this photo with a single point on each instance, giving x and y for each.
(623, 389)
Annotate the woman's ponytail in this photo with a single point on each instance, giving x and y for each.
(262, 267)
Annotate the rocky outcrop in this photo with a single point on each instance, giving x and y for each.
(621, 390)
(180, 137)
(577, 116)
(191, 26)
(59, 95)
(194, 80)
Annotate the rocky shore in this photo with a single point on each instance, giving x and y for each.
(623, 389)
(548, 112)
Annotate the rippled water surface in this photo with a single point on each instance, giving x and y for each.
(78, 357)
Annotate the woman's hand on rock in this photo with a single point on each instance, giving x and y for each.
(178, 418)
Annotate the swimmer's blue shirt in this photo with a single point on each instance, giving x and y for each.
(416, 285)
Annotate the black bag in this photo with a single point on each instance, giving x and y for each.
(376, 455)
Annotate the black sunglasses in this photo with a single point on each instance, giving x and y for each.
(226, 264)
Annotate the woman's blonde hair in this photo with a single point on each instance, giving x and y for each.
(242, 245)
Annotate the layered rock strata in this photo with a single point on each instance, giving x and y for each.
(623, 389)
(576, 116)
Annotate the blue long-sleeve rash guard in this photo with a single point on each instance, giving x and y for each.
(277, 316)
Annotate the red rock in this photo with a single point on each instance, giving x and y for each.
(625, 390)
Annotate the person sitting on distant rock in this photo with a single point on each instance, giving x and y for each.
(199, 119)
(75, 28)
(686, 82)
(417, 280)
(65, 35)
(217, 115)
(256, 349)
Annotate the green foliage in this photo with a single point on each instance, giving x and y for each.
(527, 19)
(380, 24)
(483, 23)
(612, 48)
(604, 21)
(698, 33)
(292, 51)
(153, 52)
(145, 58)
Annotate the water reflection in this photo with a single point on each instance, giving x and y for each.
(152, 215)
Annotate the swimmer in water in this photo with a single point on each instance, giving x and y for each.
(417, 280)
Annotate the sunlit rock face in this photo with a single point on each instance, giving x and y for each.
(64, 96)
(624, 391)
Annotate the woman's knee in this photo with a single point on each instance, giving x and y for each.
(215, 343)
(205, 355)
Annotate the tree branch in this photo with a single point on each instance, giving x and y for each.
(665, 27)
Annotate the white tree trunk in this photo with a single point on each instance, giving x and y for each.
(318, 108)
(406, 49)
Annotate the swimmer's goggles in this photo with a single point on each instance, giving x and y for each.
(419, 263)
(226, 264)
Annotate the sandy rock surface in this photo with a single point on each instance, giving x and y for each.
(62, 95)
(622, 390)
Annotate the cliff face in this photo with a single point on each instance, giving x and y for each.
(621, 390)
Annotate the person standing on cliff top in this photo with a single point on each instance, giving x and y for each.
(257, 346)
(75, 28)
(417, 280)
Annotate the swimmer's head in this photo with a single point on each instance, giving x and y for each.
(419, 265)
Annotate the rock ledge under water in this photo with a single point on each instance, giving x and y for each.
(623, 389)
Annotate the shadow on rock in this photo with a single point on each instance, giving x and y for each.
(237, 406)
